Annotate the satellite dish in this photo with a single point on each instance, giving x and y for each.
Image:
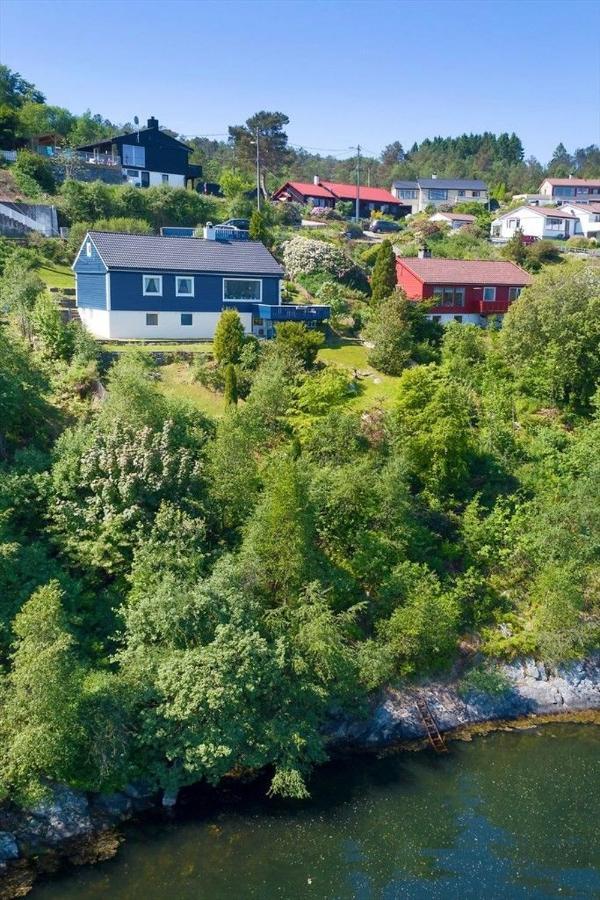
(136, 120)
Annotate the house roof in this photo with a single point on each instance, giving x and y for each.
(134, 135)
(584, 207)
(466, 271)
(444, 183)
(576, 182)
(455, 217)
(332, 190)
(156, 254)
(554, 212)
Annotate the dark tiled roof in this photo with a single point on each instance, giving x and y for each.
(466, 271)
(156, 254)
(445, 184)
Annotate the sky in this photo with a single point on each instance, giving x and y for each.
(344, 71)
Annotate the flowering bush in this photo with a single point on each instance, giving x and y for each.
(325, 212)
(303, 256)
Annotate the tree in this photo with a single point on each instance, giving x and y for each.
(298, 343)
(393, 154)
(384, 280)
(515, 249)
(15, 90)
(231, 391)
(267, 128)
(258, 228)
(229, 338)
(234, 184)
(399, 332)
(561, 165)
(20, 288)
(35, 167)
(50, 331)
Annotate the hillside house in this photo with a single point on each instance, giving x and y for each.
(456, 221)
(148, 157)
(463, 290)
(328, 193)
(134, 286)
(536, 222)
(577, 190)
(435, 191)
(588, 217)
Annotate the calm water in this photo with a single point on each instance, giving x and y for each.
(509, 815)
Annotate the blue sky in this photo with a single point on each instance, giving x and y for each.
(344, 72)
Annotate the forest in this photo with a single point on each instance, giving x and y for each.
(188, 596)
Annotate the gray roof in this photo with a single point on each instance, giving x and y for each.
(444, 183)
(157, 254)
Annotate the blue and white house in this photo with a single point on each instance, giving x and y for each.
(147, 287)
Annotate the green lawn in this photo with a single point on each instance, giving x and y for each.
(177, 382)
(375, 388)
(56, 276)
(158, 347)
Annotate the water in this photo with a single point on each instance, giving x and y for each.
(508, 815)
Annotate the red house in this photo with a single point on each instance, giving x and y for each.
(328, 193)
(465, 290)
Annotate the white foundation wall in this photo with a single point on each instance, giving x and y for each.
(155, 178)
(131, 325)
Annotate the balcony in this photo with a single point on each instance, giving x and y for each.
(88, 157)
(493, 307)
(294, 313)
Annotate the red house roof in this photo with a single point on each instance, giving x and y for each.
(576, 182)
(466, 271)
(331, 190)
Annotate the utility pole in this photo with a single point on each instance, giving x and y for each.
(257, 173)
(357, 210)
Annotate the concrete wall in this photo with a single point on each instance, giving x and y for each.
(20, 219)
(131, 325)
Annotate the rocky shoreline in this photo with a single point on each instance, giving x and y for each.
(77, 828)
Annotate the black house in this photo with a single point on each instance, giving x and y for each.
(149, 156)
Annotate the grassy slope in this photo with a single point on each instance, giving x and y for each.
(375, 389)
(177, 381)
(158, 347)
(56, 276)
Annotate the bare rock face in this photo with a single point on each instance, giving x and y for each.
(8, 848)
(64, 815)
(531, 688)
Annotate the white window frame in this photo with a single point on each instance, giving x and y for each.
(233, 300)
(149, 324)
(88, 248)
(152, 293)
(489, 299)
(134, 156)
(514, 293)
(179, 293)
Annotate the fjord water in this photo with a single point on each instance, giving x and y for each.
(508, 815)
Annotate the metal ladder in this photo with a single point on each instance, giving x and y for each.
(433, 733)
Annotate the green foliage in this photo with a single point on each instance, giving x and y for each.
(20, 287)
(229, 338)
(33, 168)
(231, 388)
(298, 343)
(400, 332)
(258, 228)
(53, 336)
(384, 280)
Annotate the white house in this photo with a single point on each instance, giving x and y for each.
(454, 220)
(588, 215)
(436, 191)
(535, 222)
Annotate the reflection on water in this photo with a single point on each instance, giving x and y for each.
(509, 815)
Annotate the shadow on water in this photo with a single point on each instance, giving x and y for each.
(508, 815)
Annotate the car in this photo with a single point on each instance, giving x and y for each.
(240, 224)
(379, 226)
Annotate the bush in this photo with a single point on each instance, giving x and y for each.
(229, 338)
(325, 212)
(303, 256)
(31, 167)
(580, 243)
(287, 214)
(294, 340)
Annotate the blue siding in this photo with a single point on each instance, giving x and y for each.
(126, 293)
(91, 290)
(91, 263)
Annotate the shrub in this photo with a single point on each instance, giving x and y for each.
(229, 337)
(287, 214)
(295, 340)
(384, 278)
(580, 243)
(303, 256)
(231, 389)
(31, 167)
(325, 212)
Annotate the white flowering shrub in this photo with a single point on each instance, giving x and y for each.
(303, 256)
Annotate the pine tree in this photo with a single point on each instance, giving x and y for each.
(384, 278)
(231, 388)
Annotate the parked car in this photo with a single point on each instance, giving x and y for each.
(380, 226)
(240, 224)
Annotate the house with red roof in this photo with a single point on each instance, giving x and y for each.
(328, 193)
(578, 190)
(461, 290)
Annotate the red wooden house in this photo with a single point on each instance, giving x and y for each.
(328, 193)
(465, 290)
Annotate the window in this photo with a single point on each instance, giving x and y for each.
(437, 194)
(133, 173)
(151, 318)
(134, 155)
(436, 318)
(407, 193)
(458, 318)
(184, 286)
(513, 223)
(448, 299)
(242, 289)
(449, 296)
(476, 193)
(459, 296)
(489, 294)
(513, 293)
(186, 318)
(88, 248)
(564, 191)
(461, 193)
(165, 178)
(553, 224)
(152, 285)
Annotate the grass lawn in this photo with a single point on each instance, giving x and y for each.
(56, 276)
(375, 388)
(158, 347)
(177, 382)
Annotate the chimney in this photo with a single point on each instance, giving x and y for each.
(424, 252)
(153, 123)
(209, 232)
(316, 179)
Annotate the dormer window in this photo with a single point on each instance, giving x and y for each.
(152, 285)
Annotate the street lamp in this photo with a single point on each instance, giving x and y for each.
(257, 171)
